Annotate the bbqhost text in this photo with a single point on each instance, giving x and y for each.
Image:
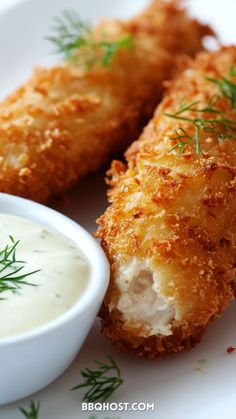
(118, 407)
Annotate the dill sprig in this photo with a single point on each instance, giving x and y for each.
(100, 382)
(73, 38)
(32, 411)
(10, 267)
(207, 118)
(71, 33)
(226, 86)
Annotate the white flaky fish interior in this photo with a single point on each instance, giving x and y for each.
(140, 298)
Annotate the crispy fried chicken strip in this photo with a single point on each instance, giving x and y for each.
(170, 232)
(65, 122)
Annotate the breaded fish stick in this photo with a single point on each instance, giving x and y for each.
(170, 232)
(65, 122)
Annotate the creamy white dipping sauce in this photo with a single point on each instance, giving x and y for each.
(62, 279)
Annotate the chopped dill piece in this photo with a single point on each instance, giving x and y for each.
(32, 411)
(73, 38)
(11, 269)
(101, 383)
(226, 86)
(207, 118)
(71, 33)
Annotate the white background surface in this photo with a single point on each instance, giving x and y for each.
(178, 390)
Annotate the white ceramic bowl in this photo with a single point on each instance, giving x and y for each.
(31, 361)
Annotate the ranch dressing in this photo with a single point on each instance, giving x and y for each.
(63, 276)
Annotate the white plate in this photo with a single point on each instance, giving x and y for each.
(178, 390)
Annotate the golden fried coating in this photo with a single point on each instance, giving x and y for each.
(66, 122)
(170, 232)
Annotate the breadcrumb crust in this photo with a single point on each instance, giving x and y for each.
(177, 212)
(65, 123)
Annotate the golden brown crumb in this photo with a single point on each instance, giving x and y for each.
(64, 123)
(170, 232)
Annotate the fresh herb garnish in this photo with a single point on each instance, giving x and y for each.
(10, 267)
(226, 86)
(100, 382)
(73, 38)
(207, 118)
(32, 411)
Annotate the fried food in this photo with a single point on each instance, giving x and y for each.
(170, 232)
(66, 122)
